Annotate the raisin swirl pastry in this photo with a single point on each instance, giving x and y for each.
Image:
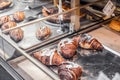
(5, 4)
(8, 25)
(43, 33)
(49, 57)
(69, 71)
(4, 19)
(88, 42)
(67, 47)
(17, 34)
(19, 16)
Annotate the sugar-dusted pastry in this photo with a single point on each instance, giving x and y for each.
(49, 57)
(88, 42)
(43, 33)
(4, 19)
(69, 71)
(17, 34)
(8, 25)
(67, 47)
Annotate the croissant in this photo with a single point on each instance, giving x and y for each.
(19, 16)
(67, 48)
(49, 57)
(16, 35)
(69, 71)
(4, 4)
(8, 25)
(4, 19)
(43, 33)
(88, 42)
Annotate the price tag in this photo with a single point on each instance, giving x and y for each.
(109, 8)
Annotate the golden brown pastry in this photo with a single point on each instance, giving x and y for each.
(67, 47)
(88, 42)
(4, 19)
(4, 4)
(17, 34)
(43, 33)
(49, 57)
(69, 71)
(19, 16)
(115, 25)
(8, 25)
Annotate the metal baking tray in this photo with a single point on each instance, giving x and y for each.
(96, 65)
(8, 8)
(30, 39)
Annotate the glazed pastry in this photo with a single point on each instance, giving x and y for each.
(4, 19)
(88, 42)
(8, 25)
(67, 48)
(4, 4)
(69, 71)
(49, 57)
(43, 33)
(19, 16)
(17, 34)
(115, 25)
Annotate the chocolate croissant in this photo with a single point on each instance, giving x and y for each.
(19, 16)
(4, 19)
(67, 48)
(69, 71)
(43, 33)
(8, 25)
(17, 34)
(49, 57)
(5, 4)
(88, 42)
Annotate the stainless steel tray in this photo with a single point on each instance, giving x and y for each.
(96, 65)
(30, 39)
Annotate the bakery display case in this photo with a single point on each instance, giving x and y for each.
(58, 40)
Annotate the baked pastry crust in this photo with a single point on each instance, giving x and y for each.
(19, 16)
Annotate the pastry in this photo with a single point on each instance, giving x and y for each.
(17, 34)
(8, 25)
(69, 71)
(4, 19)
(43, 33)
(67, 47)
(115, 25)
(19, 16)
(88, 42)
(4, 4)
(49, 57)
